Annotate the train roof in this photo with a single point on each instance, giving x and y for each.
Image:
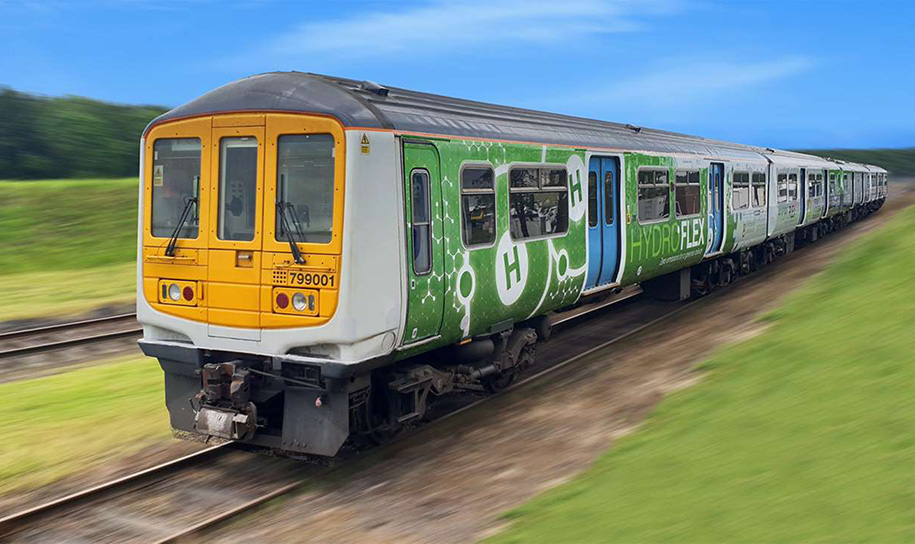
(363, 104)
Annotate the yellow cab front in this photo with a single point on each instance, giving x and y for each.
(243, 221)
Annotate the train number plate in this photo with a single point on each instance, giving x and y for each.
(310, 279)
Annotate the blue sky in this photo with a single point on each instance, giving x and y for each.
(790, 74)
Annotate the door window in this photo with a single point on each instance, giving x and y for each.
(237, 188)
(420, 219)
(593, 210)
(608, 198)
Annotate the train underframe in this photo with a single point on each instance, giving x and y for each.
(297, 407)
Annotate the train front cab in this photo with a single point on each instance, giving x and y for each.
(233, 242)
(242, 227)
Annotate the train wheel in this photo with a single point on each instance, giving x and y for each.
(500, 381)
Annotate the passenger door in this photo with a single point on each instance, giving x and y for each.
(423, 220)
(716, 205)
(802, 214)
(603, 221)
(236, 212)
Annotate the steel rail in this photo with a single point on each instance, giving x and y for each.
(14, 523)
(72, 342)
(64, 326)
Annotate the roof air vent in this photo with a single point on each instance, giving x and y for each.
(634, 128)
(770, 150)
(372, 87)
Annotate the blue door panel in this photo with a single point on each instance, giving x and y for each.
(594, 224)
(716, 206)
(603, 221)
(609, 218)
(802, 190)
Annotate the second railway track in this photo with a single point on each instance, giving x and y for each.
(67, 335)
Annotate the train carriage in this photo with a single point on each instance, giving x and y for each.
(319, 257)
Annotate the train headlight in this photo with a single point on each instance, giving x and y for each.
(299, 302)
(174, 292)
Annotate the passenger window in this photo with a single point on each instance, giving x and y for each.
(782, 181)
(176, 178)
(237, 188)
(759, 189)
(478, 206)
(792, 187)
(305, 187)
(654, 195)
(592, 199)
(608, 199)
(687, 192)
(740, 197)
(538, 202)
(421, 211)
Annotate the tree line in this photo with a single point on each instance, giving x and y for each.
(75, 137)
(69, 137)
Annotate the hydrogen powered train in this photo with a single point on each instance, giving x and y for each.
(321, 257)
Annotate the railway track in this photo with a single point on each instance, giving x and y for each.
(67, 335)
(199, 478)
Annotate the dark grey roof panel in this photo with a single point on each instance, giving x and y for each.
(356, 104)
(286, 91)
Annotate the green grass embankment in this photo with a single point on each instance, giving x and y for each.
(69, 423)
(67, 246)
(803, 434)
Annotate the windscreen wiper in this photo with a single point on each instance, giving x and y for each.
(294, 217)
(173, 240)
(293, 246)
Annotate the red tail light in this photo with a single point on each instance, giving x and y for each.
(282, 300)
(188, 294)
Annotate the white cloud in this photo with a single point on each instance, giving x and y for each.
(684, 82)
(443, 27)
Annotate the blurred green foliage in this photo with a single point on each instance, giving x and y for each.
(899, 162)
(69, 137)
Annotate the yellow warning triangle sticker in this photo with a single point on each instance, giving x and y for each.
(365, 139)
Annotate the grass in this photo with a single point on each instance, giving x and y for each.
(67, 292)
(803, 434)
(69, 246)
(64, 424)
(899, 162)
(53, 225)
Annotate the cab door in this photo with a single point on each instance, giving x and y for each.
(236, 209)
(423, 220)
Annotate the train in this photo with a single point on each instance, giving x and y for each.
(321, 258)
